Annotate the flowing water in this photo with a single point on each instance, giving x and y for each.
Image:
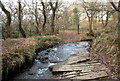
(52, 56)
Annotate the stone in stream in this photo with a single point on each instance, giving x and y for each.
(46, 58)
(68, 68)
(77, 59)
(83, 53)
(48, 50)
(85, 75)
(44, 61)
(46, 53)
(51, 67)
(55, 61)
(31, 73)
(82, 67)
(69, 73)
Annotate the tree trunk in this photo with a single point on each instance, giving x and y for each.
(7, 26)
(53, 15)
(106, 21)
(44, 22)
(90, 27)
(19, 19)
(78, 28)
(107, 17)
(119, 40)
(103, 22)
(99, 19)
(36, 19)
(52, 22)
(44, 14)
(3, 33)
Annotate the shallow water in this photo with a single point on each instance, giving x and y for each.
(52, 56)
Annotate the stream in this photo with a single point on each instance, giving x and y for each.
(52, 56)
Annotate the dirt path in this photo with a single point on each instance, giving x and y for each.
(69, 36)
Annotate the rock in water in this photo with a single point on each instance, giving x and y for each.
(31, 73)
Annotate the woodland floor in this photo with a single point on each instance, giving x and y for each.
(72, 36)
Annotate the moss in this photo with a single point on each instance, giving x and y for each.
(19, 50)
(117, 41)
(5, 67)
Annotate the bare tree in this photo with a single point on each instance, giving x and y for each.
(108, 11)
(90, 11)
(44, 13)
(108, 14)
(19, 19)
(53, 14)
(7, 25)
(33, 9)
(36, 18)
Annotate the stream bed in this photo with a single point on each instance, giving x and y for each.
(52, 56)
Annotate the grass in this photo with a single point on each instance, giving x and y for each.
(106, 43)
(18, 51)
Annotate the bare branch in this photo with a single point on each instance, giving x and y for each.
(115, 7)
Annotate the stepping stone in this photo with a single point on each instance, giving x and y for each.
(84, 53)
(69, 68)
(86, 75)
(80, 57)
(79, 66)
(31, 73)
(76, 59)
(87, 64)
(91, 75)
(70, 74)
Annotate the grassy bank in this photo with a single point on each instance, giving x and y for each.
(105, 48)
(17, 52)
(106, 44)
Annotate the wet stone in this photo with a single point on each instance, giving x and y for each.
(54, 60)
(46, 53)
(51, 67)
(46, 57)
(76, 59)
(44, 61)
(31, 73)
(91, 75)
